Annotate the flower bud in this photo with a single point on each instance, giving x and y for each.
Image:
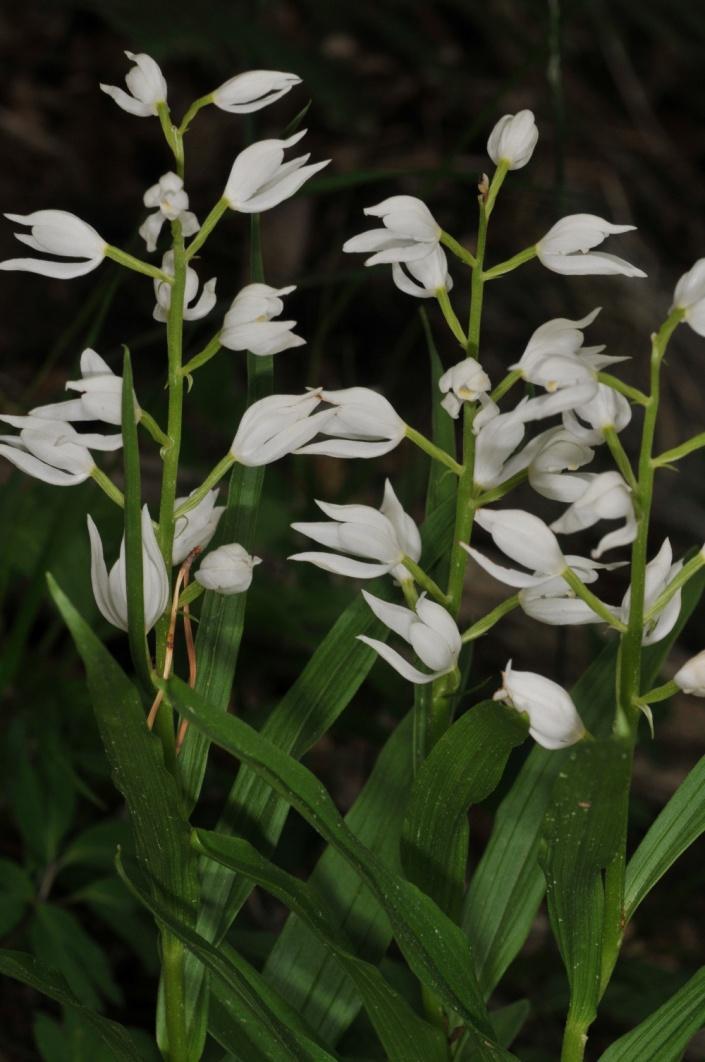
(691, 677)
(249, 92)
(60, 233)
(690, 296)
(554, 722)
(565, 247)
(227, 570)
(513, 139)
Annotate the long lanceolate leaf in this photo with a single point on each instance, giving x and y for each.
(508, 884)
(405, 1036)
(117, 1043)
(434, 947)
(665, 1034)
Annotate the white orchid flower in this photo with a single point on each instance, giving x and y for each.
(690, 296)
(382, 536)
(260, 179)
(513, 140)
(658, 574)
(410, 232)
(423, 277)
(606, 497)
(253, 90)
(363, 424)
(101, 395)
(691, 677)
(567, 245)
(464, 382)
(171, 202)
(227, 570)
(110, 590)
(429, 629)
(248, 324)
(606, 408)
(146, 84)
(554, 453)
(52, 450)
(497, 435)
(196, 527)
(193, 311)
(278, 425)
(60, 233)
(555, 604)
(554, 722)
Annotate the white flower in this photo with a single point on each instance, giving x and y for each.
(430, 630)
(659, 573)
(101, 395)
(410, 232)
(227, 570)
(162, 293)
(553, 453)
(513, 139)
(363, 424)
(607, 408)
(57, 232)
(424, 277)
(554, 722)
(691, 677)
(260, 179)
(497, 435)
(565, 247)
(464, 382)
(525, 539)
(606, 497)
(146, 84)
(196, 527)
(110, 590)
(690, 296)
(248, 324)
(384, 536)
(53, 451)
(553, 602)
(253, 90)
(171, 201)
(277, 425)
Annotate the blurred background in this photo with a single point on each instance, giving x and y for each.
(403, 96)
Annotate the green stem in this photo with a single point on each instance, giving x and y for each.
(668, 456)
(432, 450)
(489, 496)
(458, 250)
(149, 424)
(632, 393)
(451, 317)
(192, 592)
(106, 484)
(505, 385)
(511, 263)
(206, 228)
(620, 458)
(574, 1041)
(599, 607)
(425, 581)
(213, 477)
(660, 693)
(136, 264)
(174, 997)
(208, 352)
(193, 110)
(482, 626)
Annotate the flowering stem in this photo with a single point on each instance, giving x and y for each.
(425, 581)
(482, 626)
(130, 262)
(408, 589)
(106, 484)
(574, 1041)
(668, 456)
(149, 424)
(434, 451)
(193, 110)
(208, 352)
(213, 477)
(451, 317)
(458, 250)
(620, 458)
(511, 263)
(599, 607)
(632, 393)
(496, 493)
(206, 228)
(505, 385)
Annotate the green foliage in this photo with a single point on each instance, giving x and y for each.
(664, 1035)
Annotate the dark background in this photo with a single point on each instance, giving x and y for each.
(403, 96)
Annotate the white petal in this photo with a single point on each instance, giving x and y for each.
(397, 661)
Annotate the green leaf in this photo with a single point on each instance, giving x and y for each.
(463, 768)
(134, 574)
(136, 759)
(584, 833)
(274, 1038)
(678, 825)
(116, 1040)
(96, 845)
(403, 1034)
(59, 940)
(508, 885)
(434, 947)
(16, 892)
(665, 1034)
